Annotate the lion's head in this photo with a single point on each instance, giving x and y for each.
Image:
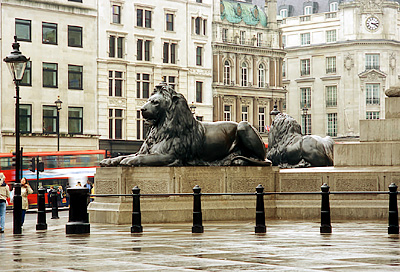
(283, 127)
(172, 123)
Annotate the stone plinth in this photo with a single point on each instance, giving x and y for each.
(392, 107)
(121, 180)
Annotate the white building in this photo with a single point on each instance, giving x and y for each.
(247, 59)
(60, 37)
(142, 43)
(341, 57)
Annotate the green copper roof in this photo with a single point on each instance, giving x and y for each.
(236, 12)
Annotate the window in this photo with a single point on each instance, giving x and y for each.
(242, 37)
(115, 80)
(306, 124)
(283, 68)
(259, 39)
(147, 18)
(75, 36)
(50, 75)
(372, 115)
(372, 94)
(308, 10)
(330, 65)
(224, 34)
(141, 127)
(199, 55)
(261, 76)
(305, 38)
(142, 85)
(200, 26)
(143, 50)
(332, 124)
(115, 123)
(283, 40)
(169, 53)
(75, 77)
(49, 33)
(245, 113)
(261, 119)
(23, 30)
(283, 13)
(78, 1)
(25, 118)
(170, 80)
(199, 92)
(75, 120)
(49, 119)
(227, 112)
(244, 74)
(333, 6)
(331, 35)
(27, 78)
(116, 47)
(116, 14)
(371, 61)
(169, 18)
(227, 73)
(305, 67)
(199, 1)
(331, 96)
(305, 97)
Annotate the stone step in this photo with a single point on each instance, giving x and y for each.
(367, 154)
(382, 130)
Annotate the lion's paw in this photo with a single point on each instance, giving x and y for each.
(112, 161)
(129, 161)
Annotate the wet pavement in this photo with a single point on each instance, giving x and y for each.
(233, 246)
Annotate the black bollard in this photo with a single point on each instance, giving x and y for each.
(41, 218)
(325, 210)
(197, 216)
(393, 210)
(17, 209)
(260, 213)
(78, 222)
(54, 204)
(136, 215)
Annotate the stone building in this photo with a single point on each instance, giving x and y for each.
(140, 44)
(247, 61)
(341, 57)
(60, 37)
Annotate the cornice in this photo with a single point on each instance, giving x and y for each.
(231, 48)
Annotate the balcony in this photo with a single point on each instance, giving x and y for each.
(330, 15)
(247, 42)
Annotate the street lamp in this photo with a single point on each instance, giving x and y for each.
(58, 103)
(304, 111)
(193, 108)
(16, 63)
(275, 111)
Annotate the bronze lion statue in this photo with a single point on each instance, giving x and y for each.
(288, 148)
(176, 138)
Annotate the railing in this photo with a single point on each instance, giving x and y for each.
(326, 227)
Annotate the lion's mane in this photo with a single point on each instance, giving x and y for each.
(176, 129)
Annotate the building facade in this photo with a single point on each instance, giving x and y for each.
(141, 44)
(341, 57)
(60, 37)
(247, 62)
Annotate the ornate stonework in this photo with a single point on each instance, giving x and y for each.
(371, 6)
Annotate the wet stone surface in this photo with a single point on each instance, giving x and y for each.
(287, 246)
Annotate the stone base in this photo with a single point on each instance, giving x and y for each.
(77, 228)
(367, 153)
(121, 180)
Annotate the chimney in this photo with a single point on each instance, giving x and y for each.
(271, 11)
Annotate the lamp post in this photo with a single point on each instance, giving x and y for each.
(193, 108)
(58, 103)
(274, 111)
(16, 63)
(304, 111)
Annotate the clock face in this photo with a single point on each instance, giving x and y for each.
(372, 23)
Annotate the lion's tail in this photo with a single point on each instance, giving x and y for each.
(252, 161)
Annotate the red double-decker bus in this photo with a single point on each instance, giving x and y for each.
(61, 168)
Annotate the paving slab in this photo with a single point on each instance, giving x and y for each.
(224, 246)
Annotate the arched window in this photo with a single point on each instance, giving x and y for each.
(244, 74)
(227, 73)
(261, 76)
